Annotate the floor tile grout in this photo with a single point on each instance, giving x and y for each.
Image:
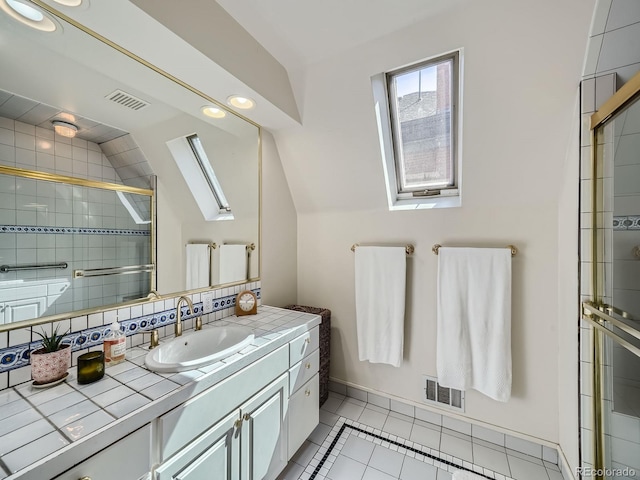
(458, 442)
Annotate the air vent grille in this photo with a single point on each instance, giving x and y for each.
(442, 396)
(127, 100)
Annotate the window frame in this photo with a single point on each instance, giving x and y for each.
(198, 180)
(445, 196)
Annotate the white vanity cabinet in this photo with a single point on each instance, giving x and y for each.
(129, 458)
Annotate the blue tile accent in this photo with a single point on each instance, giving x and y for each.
(71, 230)
(18, 356)
(628, 222)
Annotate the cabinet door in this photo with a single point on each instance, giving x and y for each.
(215, 454)
(128, 458)
(303, 414)
(264, 434)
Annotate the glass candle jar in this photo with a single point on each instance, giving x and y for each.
(90, 367)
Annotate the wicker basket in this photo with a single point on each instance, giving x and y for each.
(325, 344)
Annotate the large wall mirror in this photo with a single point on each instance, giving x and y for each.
(127, 190)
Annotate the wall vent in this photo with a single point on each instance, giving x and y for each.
(436, 394)
(127, 100)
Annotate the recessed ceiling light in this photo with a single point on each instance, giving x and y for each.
(28, 14)
(69, 3)
(65, 129)
(241, 102)
(213, 112)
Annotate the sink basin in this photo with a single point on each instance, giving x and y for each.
(198, 349)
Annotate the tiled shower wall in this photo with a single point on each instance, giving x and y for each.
(612, 60)
(87, 332)
(84, 227)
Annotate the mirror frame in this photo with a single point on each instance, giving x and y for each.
(153, 295)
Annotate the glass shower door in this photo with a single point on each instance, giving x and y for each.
(614, 311)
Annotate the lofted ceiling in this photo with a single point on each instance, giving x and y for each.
(298, 33)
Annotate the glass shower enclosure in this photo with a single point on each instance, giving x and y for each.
(69, 244)
(612, 418)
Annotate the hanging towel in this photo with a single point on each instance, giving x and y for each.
(380, 298)
(474, 320)
(233, 263)
(198, 265)
(464, 475)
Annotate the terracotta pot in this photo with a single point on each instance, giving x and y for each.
(49, 367)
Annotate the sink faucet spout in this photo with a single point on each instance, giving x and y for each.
(178, 329)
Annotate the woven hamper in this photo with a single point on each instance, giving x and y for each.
(325, 345)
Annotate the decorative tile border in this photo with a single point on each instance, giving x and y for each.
(629, 222)
(71, 230)
(18, 356)
(333, 445)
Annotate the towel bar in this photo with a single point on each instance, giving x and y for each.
(514, 250)
(408, 248)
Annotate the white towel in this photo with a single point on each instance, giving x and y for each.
(233, 263)
(198, 265)
(380, 298)
(464, 475)
(474, 320)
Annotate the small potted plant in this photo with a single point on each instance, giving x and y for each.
(50, 362)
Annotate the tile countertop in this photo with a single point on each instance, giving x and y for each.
(50, 430)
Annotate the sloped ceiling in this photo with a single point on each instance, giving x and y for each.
(298, 33)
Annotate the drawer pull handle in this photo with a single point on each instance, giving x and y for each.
(238, 424)
(307, 366)
(85, 478)
(247, 417)
(307, 340)
(307, 393)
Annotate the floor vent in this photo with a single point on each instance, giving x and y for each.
(127, 100)
(442, 396)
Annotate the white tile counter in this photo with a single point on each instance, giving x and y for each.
(43, 432)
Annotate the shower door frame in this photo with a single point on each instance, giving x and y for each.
(595, 311)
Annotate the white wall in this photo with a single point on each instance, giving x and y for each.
(279, 226)
(522, 69)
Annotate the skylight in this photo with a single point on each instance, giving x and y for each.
(198, 172)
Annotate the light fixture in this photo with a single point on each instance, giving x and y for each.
(28, 14)
(65, 129)
(241, 102)
(213, 112)
(69, 3)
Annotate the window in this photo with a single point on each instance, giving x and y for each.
(418, 110)
(198, 172)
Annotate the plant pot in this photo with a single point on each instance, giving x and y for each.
(49, 367)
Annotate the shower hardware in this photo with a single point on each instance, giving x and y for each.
(8, 268)
(99, 272)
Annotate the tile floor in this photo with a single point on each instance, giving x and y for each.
(361, 441)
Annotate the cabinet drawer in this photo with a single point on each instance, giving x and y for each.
(184, 423)
(303, 345)
(129, 458)
(302, 371)
(304, 414)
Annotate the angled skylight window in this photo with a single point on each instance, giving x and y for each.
(198, 172)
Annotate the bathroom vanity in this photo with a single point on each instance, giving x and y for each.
(244, 416)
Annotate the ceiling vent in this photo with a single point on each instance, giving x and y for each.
(127, 100)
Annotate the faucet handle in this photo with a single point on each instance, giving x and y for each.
(198, 323)
(155, 338)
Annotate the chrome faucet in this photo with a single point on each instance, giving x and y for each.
(179, 313)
